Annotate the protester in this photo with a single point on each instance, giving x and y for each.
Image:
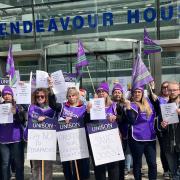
(162, 99)
(11, 140)
(111, 114)
(171, 133)
(117, 96)
(40, 111)
(72, 108)
(142, 137)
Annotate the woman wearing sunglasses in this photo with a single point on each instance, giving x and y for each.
(38, 112)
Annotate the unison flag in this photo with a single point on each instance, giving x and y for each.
(140, 74)
(10, 69)
(81, 57)
(150, 47)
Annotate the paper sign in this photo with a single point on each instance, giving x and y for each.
(6, 114)
(98, 108)
(41, 79)
(105, 143)
(169, 113)
(41, 144)
(72, 141)
(23, 93)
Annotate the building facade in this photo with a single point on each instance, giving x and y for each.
(44, 35)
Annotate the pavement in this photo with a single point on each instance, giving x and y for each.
(58, 174)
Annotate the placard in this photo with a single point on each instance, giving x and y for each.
(72, 140)
(98, 109)
(169, 113)
(6, 114)
(105, 142)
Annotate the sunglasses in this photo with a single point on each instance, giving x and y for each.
(40, 96)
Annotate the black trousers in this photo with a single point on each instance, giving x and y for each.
(148, 148)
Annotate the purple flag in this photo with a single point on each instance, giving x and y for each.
(150, 47)
(140, 74)
(81, 57)
(10, 69)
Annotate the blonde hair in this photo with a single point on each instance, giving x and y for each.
(108, 101)
(144, 106)
(72, 90)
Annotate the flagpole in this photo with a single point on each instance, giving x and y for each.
(91, 79)
(149, 64)
(77, 172)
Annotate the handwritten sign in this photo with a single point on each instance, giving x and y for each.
(72, 141)
(23, 93)
(6, 114)
(98, 107)
(41, 79)
(105, 142)
(41, 137)
(41, 144)
(169, 113)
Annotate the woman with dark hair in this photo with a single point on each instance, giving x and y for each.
(163, 98)
(117, 96)
(142, 137)
(39, 111)
(11, 140)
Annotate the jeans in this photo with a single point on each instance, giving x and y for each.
(173, 162)
(148, 148)
(16, 151)
(128, 160)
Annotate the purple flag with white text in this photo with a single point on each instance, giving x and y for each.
(150, 47)
(140, 74)
(10, 69)
(81, 57)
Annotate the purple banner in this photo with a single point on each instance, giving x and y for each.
(47, 124)
(100, 126)
(74, 123)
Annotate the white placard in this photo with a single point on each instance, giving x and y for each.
(5, 113)
(169, 113)
(23, 93)
(106, 146)
(97, 111)
(72, 144)
(41, 144)
(58, 81)
(41, 79)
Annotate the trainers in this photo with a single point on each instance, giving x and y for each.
(126, 173)
(166, 175)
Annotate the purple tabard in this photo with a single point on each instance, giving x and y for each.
(77, 115)
(143, 128)
(34, 112)
(103, 125)
(73, 112)
(11, 132)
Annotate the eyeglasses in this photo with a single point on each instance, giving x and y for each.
(40, 96)
(173, 90)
